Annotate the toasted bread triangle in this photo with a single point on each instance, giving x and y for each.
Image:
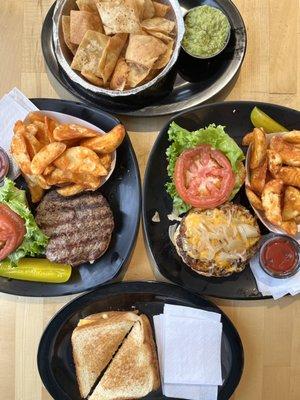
(133, 372)
(95, 343)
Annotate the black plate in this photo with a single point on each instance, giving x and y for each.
(218, 82)
(119, 190)
(235, 116)
(54, 358)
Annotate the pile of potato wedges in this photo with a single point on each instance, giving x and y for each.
(274, 177)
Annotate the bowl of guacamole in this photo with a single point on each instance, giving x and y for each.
(207, 32)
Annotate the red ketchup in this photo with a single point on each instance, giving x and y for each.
(4, 164)
(279, 256)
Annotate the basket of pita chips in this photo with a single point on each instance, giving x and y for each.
(117, 47)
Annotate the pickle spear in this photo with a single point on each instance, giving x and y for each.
(37, 270)
(261, 120)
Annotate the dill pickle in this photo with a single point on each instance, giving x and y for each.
(37, 270)
(261, 120)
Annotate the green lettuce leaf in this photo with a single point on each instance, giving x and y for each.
(35, 241)
(183, 139)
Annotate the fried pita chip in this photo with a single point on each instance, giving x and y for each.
(110, 55)
(87, 5)
(144, 50)
(137, 73)
(119, 16)
(164, 58)
(149, 10)
(158, 24)
(119, 77)
(92, 77)
(160, 10)
(65, 23)
(89, 52)
(162, 36)
(81, 22)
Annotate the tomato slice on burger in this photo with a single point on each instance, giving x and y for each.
(203, 177)
(12, 231)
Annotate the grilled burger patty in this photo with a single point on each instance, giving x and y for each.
(230, 228)
(79, 227)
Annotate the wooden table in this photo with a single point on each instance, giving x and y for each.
(269, 329)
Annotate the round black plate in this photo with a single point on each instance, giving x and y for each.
(54, 358)
(217, 82)
(236, 117)
(122, 191)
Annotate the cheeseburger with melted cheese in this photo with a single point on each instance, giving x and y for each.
(217, 242)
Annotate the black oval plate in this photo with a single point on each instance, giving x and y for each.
(218, 82)
(123, 193)
(55, 362)
(235, 116)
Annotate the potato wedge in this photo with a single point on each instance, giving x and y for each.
(50, 125)
(46, 156)
(41, 132)
(35, 116)
(19, 151)
(258, 148)
(48, 170)
(81, 160)
(89, 181)
(291, 203)
(58, 177)
(73, 131)
(31, 128)
(290, 176)
(71, 142)
(105, 160)
(258, 177)
(289, 153)
(292, 137)
(70, 190)
(254, 199)
(247, 139)
(36, 191)
(106, 143)
(274, 162)
(290, 227)
(33, 145)
(41, 181)
(271, 201)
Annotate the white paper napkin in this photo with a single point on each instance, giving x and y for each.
(189, 392)
(270, 286)
(192, 351)
(179, 388)
(13, 106)
(181, 311)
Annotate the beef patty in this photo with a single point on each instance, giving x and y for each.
(79, 227)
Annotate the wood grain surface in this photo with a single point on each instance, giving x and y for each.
(269, 329)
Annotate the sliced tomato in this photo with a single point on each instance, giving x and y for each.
(12, 231)
(203, 177)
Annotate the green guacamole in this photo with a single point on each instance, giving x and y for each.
(206, 31)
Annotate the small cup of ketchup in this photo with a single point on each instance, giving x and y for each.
(279, 256)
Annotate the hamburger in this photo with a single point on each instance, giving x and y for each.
(217, 242)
